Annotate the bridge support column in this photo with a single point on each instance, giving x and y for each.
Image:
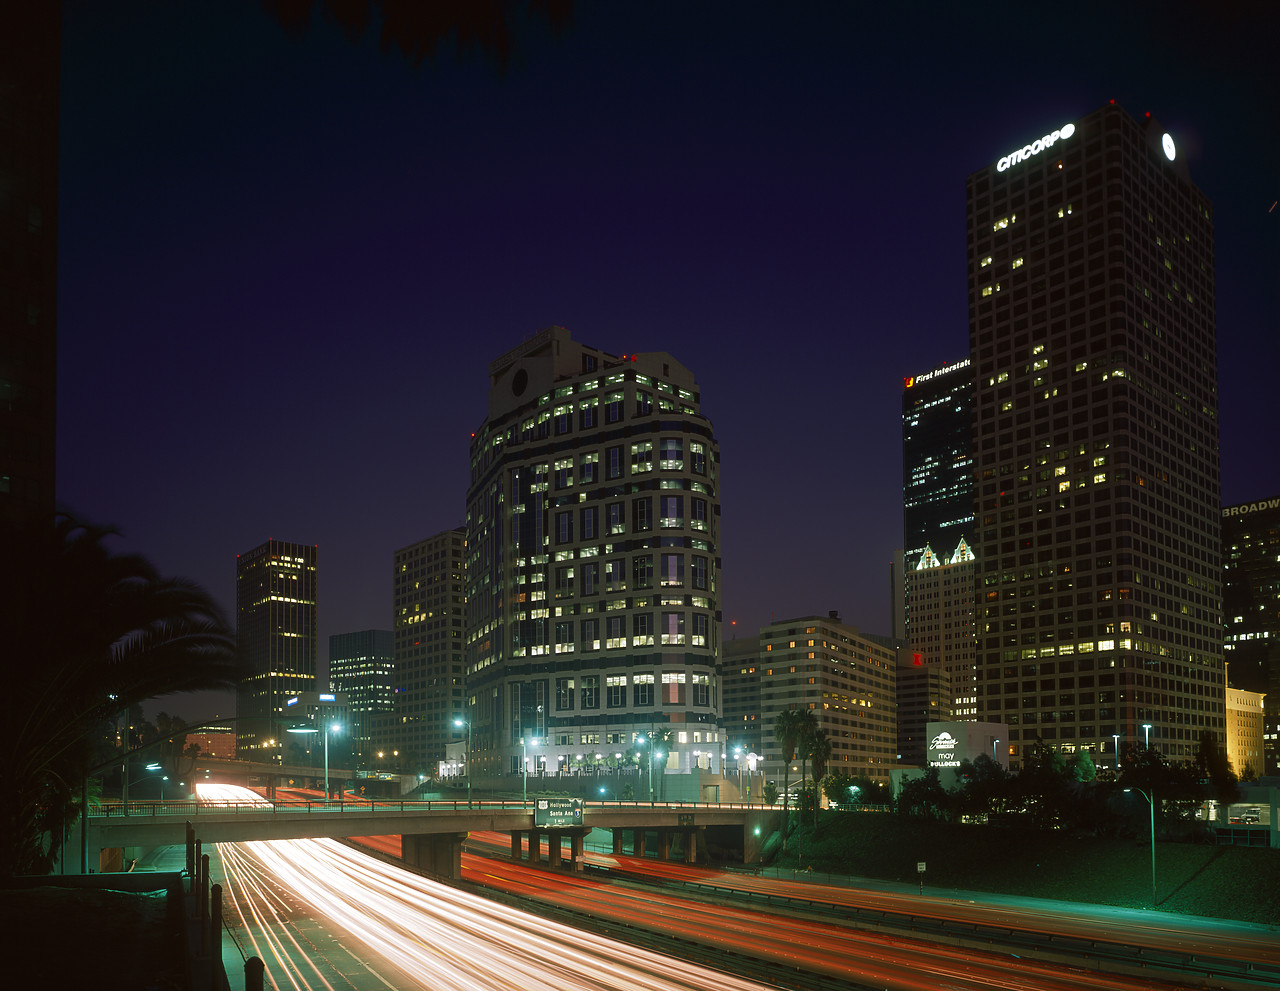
(555, 846)
(618, 835)
(517, 850)
(435, 853)
(664, 844)
(575, 850)
(637, 843)
(691, 846)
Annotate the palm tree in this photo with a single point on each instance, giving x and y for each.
(816, 747)
(786, 730)
(91, 633)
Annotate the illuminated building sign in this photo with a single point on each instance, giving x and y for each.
(326, 697)
(944, 750)
(1251, 507)
(909, 380)
(1036, 146)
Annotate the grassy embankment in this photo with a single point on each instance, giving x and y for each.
(1193, 879)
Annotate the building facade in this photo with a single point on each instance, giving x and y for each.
(937, 465)
(1251, 609)
(593, 513)
(1245, 732)
(847, 680)
(1095, 439)
(741, 706)
(276, 636)
(429, 615)
(940, 601)
(361, 668)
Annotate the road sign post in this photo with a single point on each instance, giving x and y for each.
(920, 871)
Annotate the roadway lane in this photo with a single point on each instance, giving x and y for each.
(436, 936)
(1120, 927)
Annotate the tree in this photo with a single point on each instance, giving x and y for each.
(817, 750)
(1042, 785)
(1215, 769)
(984, 787)
(787, 727)
(98, 632)
(923, 796)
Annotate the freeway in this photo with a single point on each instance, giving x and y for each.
(1096, 925)
(421, 933)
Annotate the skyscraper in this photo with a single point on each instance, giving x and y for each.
(429, 617)
(1095, 438)
(1251, 609)
(592, 569)
(361, 668)
(276, 635)
(937, 464)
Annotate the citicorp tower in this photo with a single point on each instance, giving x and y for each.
(1095, 441)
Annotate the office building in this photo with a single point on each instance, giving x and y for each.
(30, 50)
(846, 679)
(1245, 732)
(361, 668)
(593, 612)
(740, 699)
(1251, 609)
(429, 618)
(923, 696)
(940, 603)
(937, 465)
(1095, 440)
(276, 636)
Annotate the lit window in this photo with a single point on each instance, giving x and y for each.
(987, 290)
(986, 261)
(1017, 263)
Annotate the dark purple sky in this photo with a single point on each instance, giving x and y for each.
(287, 261)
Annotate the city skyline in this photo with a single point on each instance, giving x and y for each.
(781, 208)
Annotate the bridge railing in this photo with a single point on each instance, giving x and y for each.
(362, 806)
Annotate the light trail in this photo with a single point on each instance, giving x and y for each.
(437, 936)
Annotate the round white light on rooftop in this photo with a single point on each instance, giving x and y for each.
(1169, 150)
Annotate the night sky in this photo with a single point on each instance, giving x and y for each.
(287, 257)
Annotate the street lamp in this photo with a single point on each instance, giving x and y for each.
(994, 750)
(312, 729)
(467, 723)
(524, 760)
(1151, 800)
(1116, 737)
(1146, 728)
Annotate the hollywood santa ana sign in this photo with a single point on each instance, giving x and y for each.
(1036, 146)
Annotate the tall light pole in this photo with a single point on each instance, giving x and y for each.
(1116, 737)
(312, 729)
(467, 723)
(1151, 800)
(1146, 728)
(995, 744)
(524, 759)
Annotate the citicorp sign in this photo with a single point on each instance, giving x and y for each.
(1036, 146)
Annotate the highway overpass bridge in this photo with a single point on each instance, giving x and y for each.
(432, 832)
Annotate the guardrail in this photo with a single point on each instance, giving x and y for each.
(366, 806)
